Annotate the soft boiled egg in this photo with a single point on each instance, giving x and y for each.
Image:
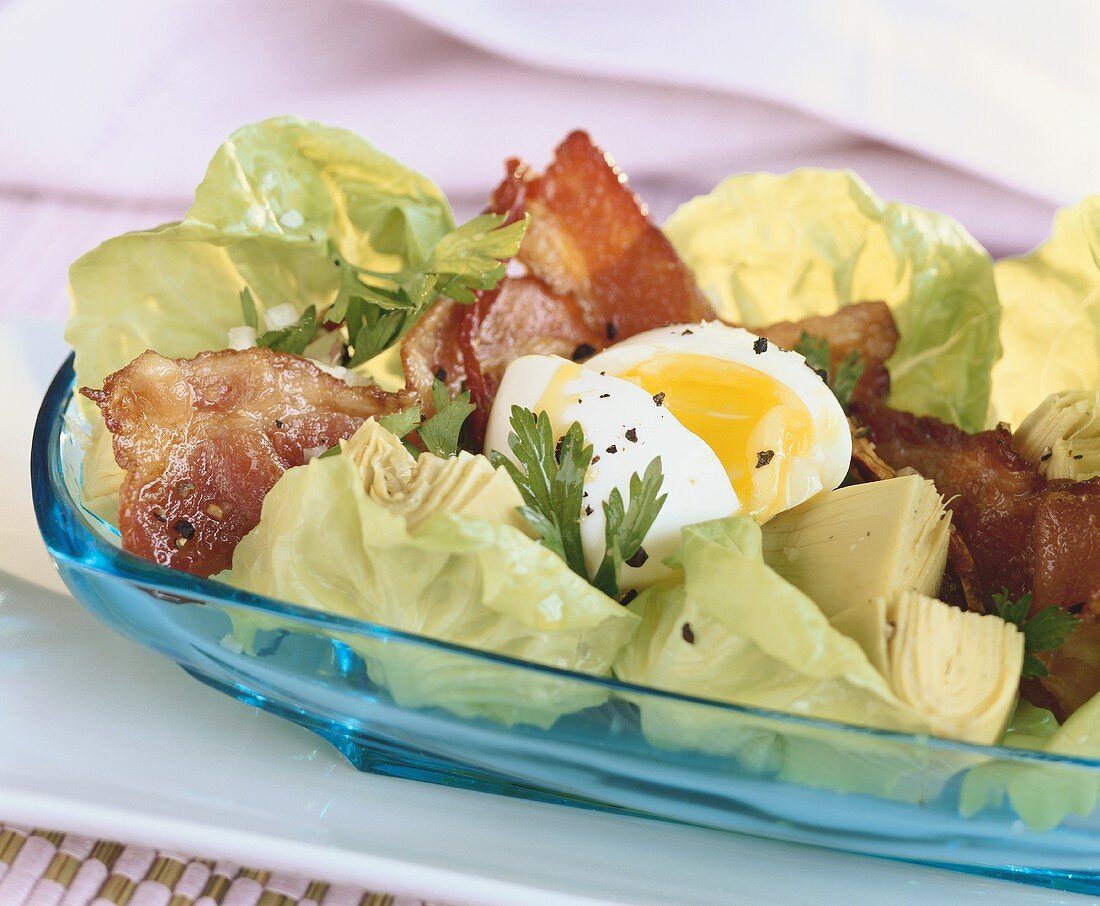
(739, 424)
(627, 429)
(778, 430)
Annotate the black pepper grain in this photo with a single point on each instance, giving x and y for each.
(638, 558)
(612, 449)
(760, 346)
(659, 398)
(588, 511)
(631, 594)
(764, 457)
(686, 633)
(185, 528)
(632, 435)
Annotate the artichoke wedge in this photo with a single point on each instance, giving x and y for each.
(862, 542)
(465, 485)
(1062, 436)
(960, 669)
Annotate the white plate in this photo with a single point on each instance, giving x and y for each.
(99, 736)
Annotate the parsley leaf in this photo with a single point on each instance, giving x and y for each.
(626, 528)
(550, 477)
(550, 481)
(248, 308)
(1045, 631)
(402, 423)
(294, 338)
(440, 432)
(847, 376)
(379, 307)
(815, 350)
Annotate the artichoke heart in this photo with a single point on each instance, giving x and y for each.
(960, 669)
(1062, 436)
(466, 484)
(862, 542)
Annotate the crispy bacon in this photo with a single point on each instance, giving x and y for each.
(991, 488)
(1023, 533)
(865, 327)
(590, 238)
(203, 440)
(599, 272)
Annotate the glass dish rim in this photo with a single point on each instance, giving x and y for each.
(87, 550)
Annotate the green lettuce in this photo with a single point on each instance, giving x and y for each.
(323, 543)
(767, 645)
(1051, 322)
(277, 198)
(771, 248)
(1043, 794)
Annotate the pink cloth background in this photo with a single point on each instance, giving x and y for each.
(107, 124)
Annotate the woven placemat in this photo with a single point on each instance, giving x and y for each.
(48, 868)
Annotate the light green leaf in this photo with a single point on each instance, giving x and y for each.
(277, 196)
(322, 543)
(769, 248)
(752, 639)
(1051, 322)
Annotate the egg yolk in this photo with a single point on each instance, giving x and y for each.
(752, 422)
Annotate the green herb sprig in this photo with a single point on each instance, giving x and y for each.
(550, 477)
(1045, 631)
(378, 308)
(815, 350)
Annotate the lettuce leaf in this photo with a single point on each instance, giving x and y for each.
(769, 248)
(323, 543)
(1051, 322)
(1043, 794)
(767, 645)
(276, 198)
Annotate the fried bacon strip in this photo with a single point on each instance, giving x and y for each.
(599, 272)
(590, 238)
(203, 440)
(864, 327)
(1023, 533)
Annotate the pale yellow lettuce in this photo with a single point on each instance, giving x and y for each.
(323, 543)
(770, 248)
(274, 196)
(1051, 322)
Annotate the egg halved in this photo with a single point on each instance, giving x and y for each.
(778, 430)
(627, 429)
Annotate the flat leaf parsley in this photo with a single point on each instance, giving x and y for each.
(1045, 631)
(550, 476)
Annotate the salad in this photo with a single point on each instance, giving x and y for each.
(799, 448)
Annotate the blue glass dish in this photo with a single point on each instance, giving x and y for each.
(620, 747)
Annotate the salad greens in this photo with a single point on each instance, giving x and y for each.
(765, 645)
(767, 248)
(285, 209)
(843, 383)
(323, 543)
(550, 476)
(1051, 323)
(1044, 631)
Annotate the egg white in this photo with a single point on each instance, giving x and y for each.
(822, 468)
(610, 411)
